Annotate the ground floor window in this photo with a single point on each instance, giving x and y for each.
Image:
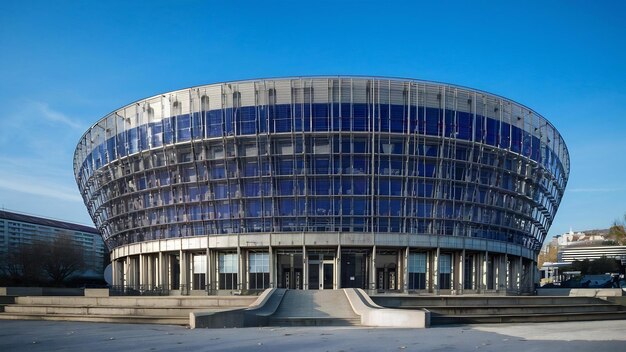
(445, 271)
(227, 266)
(417, 271)
(259, 271)
(199, 272)
(468, 273)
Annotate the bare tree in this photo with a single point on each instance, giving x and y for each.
(617, 232)
(549, 255)
(35, 263)
(63, 257)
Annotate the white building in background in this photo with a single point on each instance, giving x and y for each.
(579, 238)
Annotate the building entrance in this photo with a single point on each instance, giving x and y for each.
(387, 270)
(289, 269)
(321, 272)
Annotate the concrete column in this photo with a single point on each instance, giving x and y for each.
(114, 274)
(272, 268)
(461, 273)
(162, 272)
(240, 269)
(149, 272)
(518, 276)
(373, 269)
(485, 272)
(405, 271)
(436, 272)
(501, 273)
(211, 271)
(338, 268)
(184, 272)
(142, 271)
(305, 269)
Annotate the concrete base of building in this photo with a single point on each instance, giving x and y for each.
(40, 291)
(582, 292)
(246, 264)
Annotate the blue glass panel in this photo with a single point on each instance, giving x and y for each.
(168, 131)
(346, 120)
(322, 166)
(287, 206)
(254, 208)
(396, 187)
(433, 124)
(321, 110)
(464, 123)
(133, 141)
(383, 186)
(251, 188)
(121, 144)
(198, 127)
(526, 143)
(220, 191)
(359, 120)
(285, 167)
(306, 119)
(449, 123)
(156, 134)
(251, 169)
(398, 118)
(395, 207)
(262, 120)
(492, 131)
(111, 148)
(382, 118)
(214, 123)
(282, 118)
(479, 129)
(183, 128)
(143, 137)
(536, 149)
(322, 186)
(335, 116)
(426, 169)
(229, 122)
(218, 171)
(516, 139)
(285, 187)
(505, 137)
(360, 185)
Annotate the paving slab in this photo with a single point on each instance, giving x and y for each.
(101, 337)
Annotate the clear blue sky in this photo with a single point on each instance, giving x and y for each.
(65, 64)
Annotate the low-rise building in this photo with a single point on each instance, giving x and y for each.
(17, 229)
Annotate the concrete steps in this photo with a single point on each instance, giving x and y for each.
(145, 310)
(466, 310)
(314, 308)
(311, 321)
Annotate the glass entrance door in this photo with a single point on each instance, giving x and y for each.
(321, 274)
(328, 269)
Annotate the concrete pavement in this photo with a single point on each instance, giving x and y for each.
(96, 337)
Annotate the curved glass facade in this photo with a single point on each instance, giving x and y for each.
(323, 154)
(326, 155)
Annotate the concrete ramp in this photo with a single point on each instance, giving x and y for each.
(280, 307)
(314, 308)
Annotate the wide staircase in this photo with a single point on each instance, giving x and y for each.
(119, 309)
(314, 308)
(506, 309)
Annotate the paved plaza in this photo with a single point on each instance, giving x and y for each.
(95, 337)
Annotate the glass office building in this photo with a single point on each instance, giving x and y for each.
(322, 183)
